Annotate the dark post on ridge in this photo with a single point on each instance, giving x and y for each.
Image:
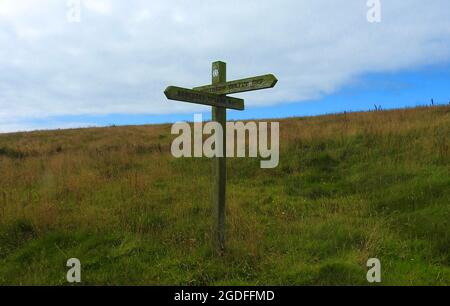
(219, 114)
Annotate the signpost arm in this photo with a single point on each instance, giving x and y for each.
(219, 114)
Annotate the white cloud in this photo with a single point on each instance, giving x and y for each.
(123, 54)
(99, 6)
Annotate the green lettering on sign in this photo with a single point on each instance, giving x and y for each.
(248, 84)
(194, 96)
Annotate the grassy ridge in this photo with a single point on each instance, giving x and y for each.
(348, 187)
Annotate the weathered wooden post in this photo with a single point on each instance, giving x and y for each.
(215, 95)
(219, 167)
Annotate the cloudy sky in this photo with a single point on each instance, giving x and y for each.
(113, 66)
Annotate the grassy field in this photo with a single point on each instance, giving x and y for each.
(348, 187)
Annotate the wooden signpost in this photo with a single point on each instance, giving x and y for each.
(215, 96)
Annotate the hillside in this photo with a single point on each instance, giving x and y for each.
(348, 187)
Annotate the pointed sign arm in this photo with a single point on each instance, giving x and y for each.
(198, 97)
(243, 85)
